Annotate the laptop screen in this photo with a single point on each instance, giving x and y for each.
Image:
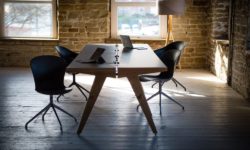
(127, 43)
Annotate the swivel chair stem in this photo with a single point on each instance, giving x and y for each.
(160, 91)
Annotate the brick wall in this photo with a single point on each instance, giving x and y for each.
(82, 22)
(219, 38)
(18, 53)
(240, 63)
(218, 54)
(192, 28)
(88, 21)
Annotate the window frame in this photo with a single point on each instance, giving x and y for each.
(54, 19)
(114, 31)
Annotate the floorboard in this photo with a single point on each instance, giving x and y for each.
(215, 116)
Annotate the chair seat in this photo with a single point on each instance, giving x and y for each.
(146, 78)
(156, 78)
(55, 92)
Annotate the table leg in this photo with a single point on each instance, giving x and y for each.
(138, 90)
(94, 92)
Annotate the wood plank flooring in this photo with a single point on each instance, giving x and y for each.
(215, 116)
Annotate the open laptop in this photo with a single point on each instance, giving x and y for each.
(96, 57)
(127, 43)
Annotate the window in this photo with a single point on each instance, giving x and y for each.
(137, 18)
(28, 19)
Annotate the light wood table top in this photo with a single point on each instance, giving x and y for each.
(132, 63)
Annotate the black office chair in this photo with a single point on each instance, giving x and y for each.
(169, 58)
(69, 56)
(179, 45)
(48, 72)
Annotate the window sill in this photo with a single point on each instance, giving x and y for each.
(28, 39)
(221, 40)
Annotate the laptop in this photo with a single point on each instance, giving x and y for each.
(127, 43)
(97, 54)
(96, 57)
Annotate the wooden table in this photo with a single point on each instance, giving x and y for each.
(131, 64)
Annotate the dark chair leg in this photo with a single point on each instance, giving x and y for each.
(59, 108)
(174, 82)
(44, 109)
(148, 99)
(45, 113)
(173, 100)
(153, 84)
(57, 99)
(52, 105)
(82, 92)
(173, 79)
(71, 84)
(79, 87)
(153, 96)
(82, 87)
(57, 116)
(160, 97)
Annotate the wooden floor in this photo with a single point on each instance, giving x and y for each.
(215, 116)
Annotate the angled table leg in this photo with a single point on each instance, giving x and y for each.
(138, 90)
(94, 92)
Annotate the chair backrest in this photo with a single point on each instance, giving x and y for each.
(66, 54)
(170, 58)
(48, 72)
(179, 45)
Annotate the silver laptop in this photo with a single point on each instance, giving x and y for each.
(127, 43)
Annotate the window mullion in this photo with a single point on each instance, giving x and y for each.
(54, 19)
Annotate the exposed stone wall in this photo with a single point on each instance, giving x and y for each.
(218, 38)
(18, 53)
(83, 21)
(88, 21)
(192, 28)
(80, 22)
(240, 64)
(220, 18)
(219, 49)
